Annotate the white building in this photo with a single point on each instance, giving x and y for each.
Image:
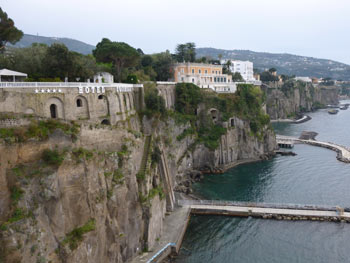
(103, 77)
(205, 76)
(245, 68)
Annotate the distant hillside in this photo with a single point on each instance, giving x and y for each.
(284, 63)
(72, 44)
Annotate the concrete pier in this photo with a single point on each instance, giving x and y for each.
(343, 153)
(267, 211)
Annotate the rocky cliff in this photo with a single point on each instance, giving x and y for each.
(292, 98)
(98, 193)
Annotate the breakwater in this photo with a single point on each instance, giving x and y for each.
(268, 211)
(343, 153)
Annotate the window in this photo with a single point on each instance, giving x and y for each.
(79, 103)
(214, 79)
(100, 97)
(216, 72)
(212, 72)
(206, 71)
(182, 70)
(192, 71)
(192, 80)
(182, 79)
(199, 71)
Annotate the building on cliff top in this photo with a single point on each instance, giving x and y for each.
(205, 76)
(95, 103)
(9, 75)
(245, 68)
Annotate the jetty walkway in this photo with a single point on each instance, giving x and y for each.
(268, 211)
(343, 153)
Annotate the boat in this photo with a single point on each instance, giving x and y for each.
(343, 107)
(333, 111)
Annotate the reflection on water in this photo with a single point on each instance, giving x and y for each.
(314, 176)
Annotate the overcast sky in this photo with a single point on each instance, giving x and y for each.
(317, 28)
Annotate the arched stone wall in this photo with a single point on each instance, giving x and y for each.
(82, 108)
(59, 107)
(126, 101)
(131, 101)
(102, 106)
(118, 104)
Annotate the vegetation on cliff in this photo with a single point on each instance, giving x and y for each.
(39, 130)
(246, 104)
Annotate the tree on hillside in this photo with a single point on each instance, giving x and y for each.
(163, 66)
(268, 76)
(8, 31)
(186, 52)
(120, 54)
(237, 77)
(29, 60)
(58, 61)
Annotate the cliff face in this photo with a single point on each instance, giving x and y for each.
(87, 209)
(285, 101)
(106, 201)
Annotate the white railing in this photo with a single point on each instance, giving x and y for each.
(253, 204)
(64, 84)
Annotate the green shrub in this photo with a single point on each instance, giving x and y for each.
(185, 133)
(39, 130)
(52, 157)
(17, 215)
(122, 155)
(155, 104)
(155, 156)
(188, 97)
(74, 237)
(132, 78)
(80, 154)
(156, 191)
(16, 194)
(118, 177)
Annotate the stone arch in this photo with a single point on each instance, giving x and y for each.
(105, 122)
(214, 113)
(102, 106)
(82, 108)
(54, 108)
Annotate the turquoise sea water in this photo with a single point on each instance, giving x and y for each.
(314, 176)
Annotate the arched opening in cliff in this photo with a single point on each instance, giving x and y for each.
(232, 122)
(214, 115)
(106, 122)
(53, 111)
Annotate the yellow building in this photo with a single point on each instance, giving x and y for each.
(204, 76)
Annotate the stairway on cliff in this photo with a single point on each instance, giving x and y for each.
(146, 152)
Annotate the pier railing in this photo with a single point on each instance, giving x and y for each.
(183, 202)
